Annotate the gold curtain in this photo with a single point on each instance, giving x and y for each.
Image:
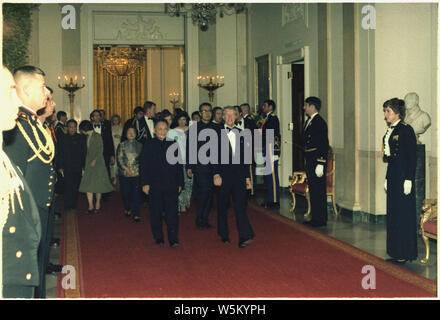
(165, 75)
(118, 95)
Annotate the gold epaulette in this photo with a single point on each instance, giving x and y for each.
(322, 160)
(23, 116)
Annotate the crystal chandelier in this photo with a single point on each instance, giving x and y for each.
(120, 61)
(204, 14)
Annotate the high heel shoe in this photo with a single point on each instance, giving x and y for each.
(90, 211)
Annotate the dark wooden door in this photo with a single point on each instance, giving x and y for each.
(297, 114)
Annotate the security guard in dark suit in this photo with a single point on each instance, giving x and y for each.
(163, 181)
(203, 172)
(232, 176)
(19, 217)
(272, 154)
(315, 144)
(30, 146)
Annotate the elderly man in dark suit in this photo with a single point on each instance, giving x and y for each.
(232, 176)
(315, 144)
(163, 181)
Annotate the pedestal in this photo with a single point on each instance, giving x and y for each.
(420, 178)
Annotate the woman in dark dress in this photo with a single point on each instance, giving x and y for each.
(399, 151)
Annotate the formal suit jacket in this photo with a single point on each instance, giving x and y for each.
(142, 131)
(107, 140)
(72, 152)
(315, 142)
(403, 149)
(228, 167)
(272, 122)
(21, 238)
(40, 176)
(192, 140)
(155, 170)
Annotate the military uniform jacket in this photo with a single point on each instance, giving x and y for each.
(21, 237)
(315, 141)
(272, 122)
(402, 159)
(40, 176)
(155, 170)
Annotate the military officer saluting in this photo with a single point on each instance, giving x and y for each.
(271, 153)
(19, 218)
(30, 146)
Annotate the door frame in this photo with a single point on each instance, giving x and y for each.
(284, 111)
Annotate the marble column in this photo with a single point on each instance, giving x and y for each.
(420, 179)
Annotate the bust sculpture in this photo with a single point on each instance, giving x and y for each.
(419, 120)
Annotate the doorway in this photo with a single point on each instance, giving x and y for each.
(297, 77)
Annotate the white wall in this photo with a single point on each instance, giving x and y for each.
(406, 61)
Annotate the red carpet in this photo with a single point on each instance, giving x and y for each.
(116, 258)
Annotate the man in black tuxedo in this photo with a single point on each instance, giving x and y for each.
(138, 122)
(315, 144)
(150, 120)
(232, 176)
(105, 130)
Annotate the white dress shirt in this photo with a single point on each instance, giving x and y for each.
(387, 138)
(150, 125)
(98, 128)
(310, 120)
(231, 137)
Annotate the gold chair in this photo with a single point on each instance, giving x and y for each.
(428, 224)
(299, 184)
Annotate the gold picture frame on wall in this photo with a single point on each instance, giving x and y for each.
(263, 79)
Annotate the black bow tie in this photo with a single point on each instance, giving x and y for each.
(96, 126)
(229, 129)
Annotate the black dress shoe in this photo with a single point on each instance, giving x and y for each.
(318, 224)
(245, 243)
(160, 242)
(53, 268)
(174, 244)
(399, 261)
(307, 223)
(199, 227)
(55, 242)
(136, 219)
(226, 240)
(207, 226)
(127, 213)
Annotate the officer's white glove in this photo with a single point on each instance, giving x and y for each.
(407, 185)
(319, 170)
(385, 185)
